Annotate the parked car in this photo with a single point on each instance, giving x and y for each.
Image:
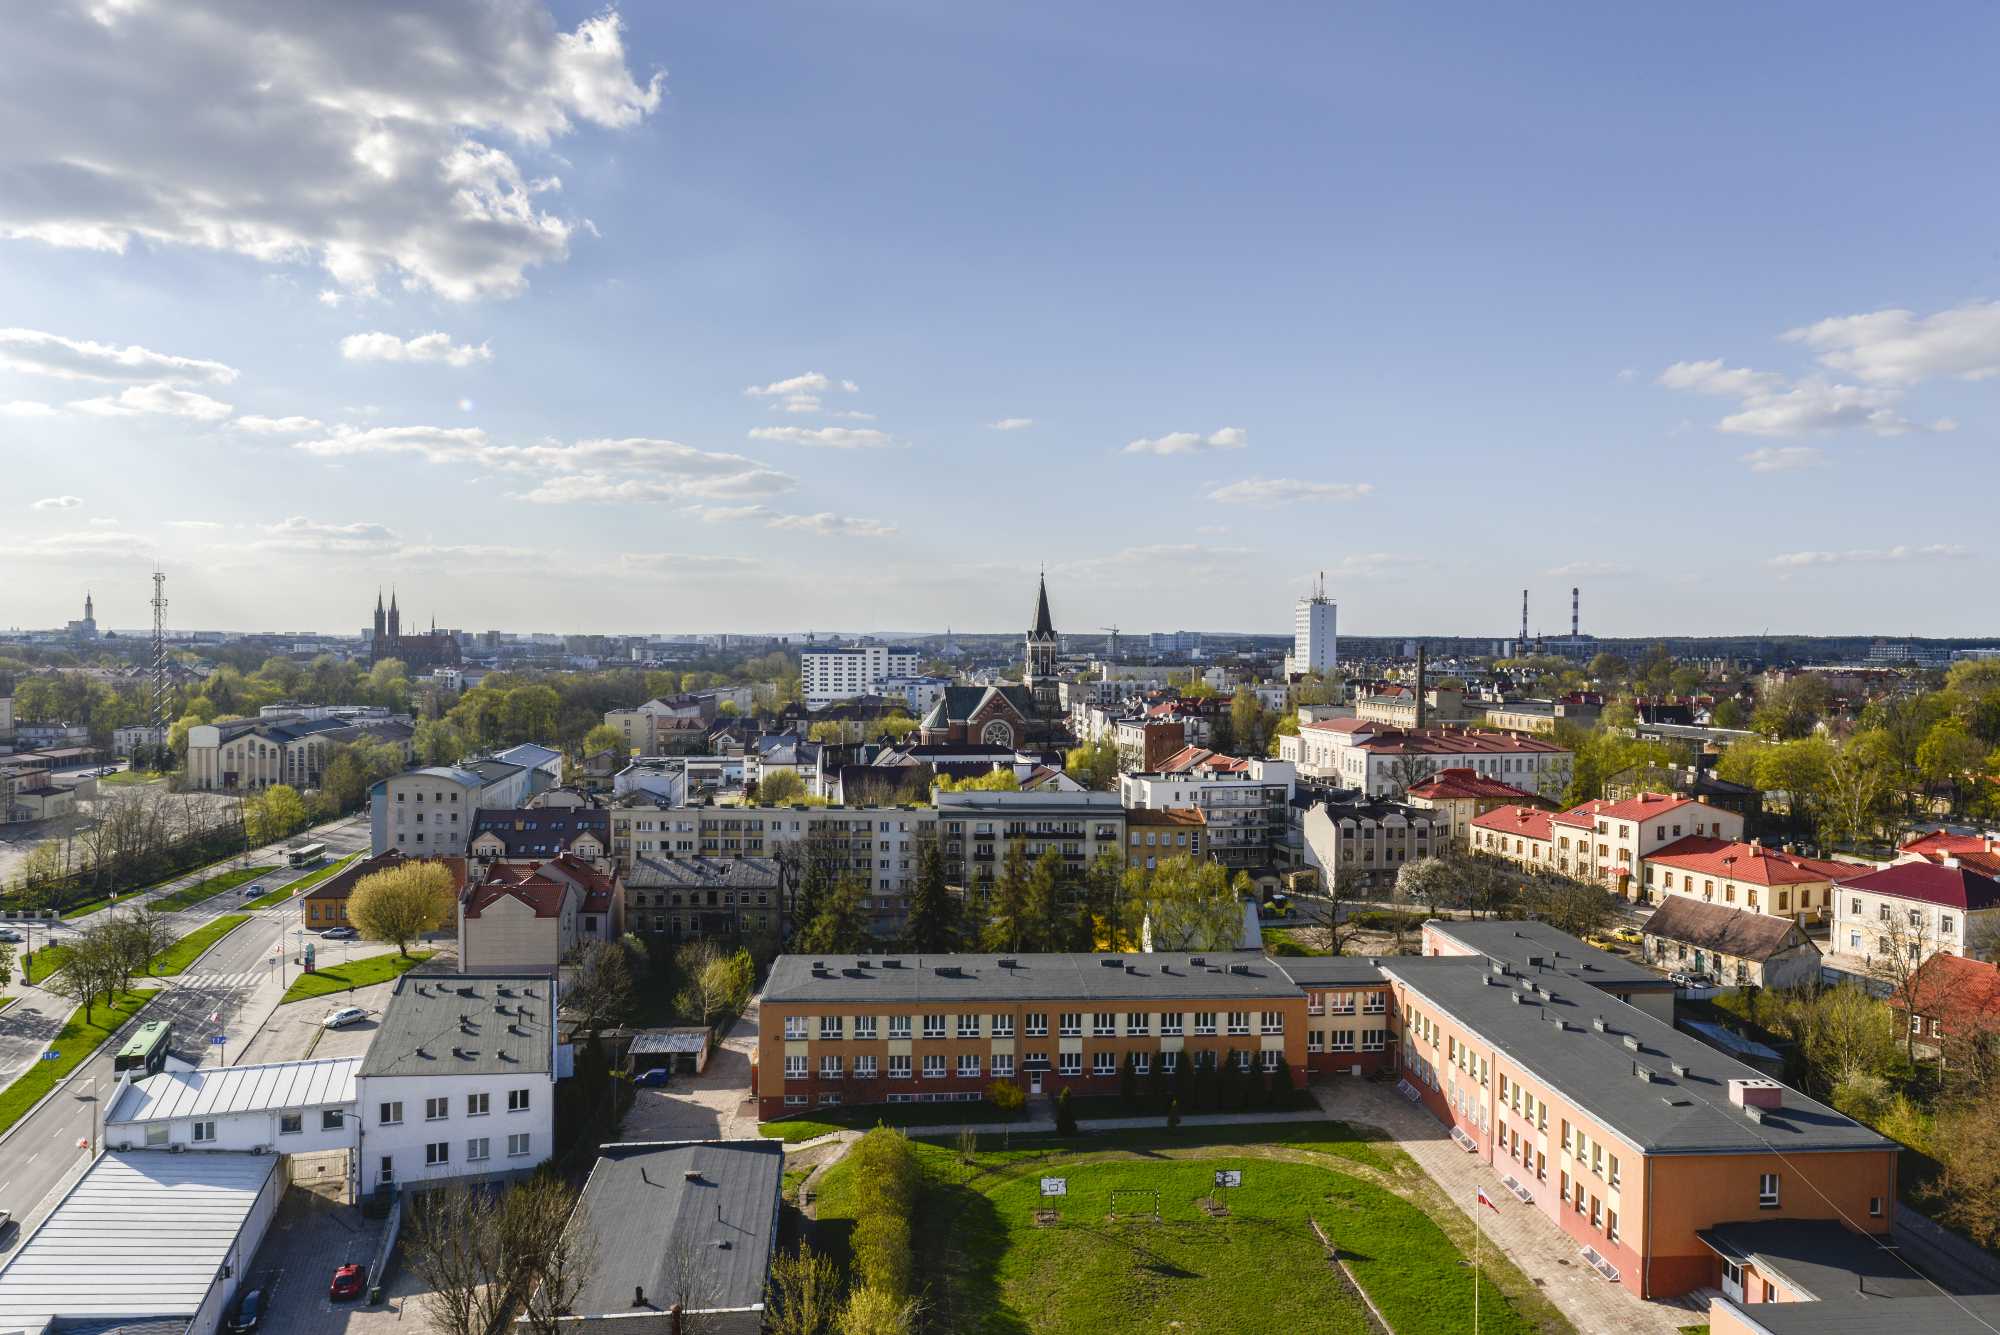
(249, 1312)
(347, 1282)
(1689, 978)
(654, 1078)
(339, 934)
(9, 934)
(1631, 934)
(346, 1015)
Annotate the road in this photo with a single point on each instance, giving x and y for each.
(238, 981)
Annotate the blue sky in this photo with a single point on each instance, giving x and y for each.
(1697, 311)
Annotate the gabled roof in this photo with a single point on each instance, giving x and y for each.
(541, 894)
(1462, 782)
(700, 873)
(342, 885)
(211, 1091)
(1753, 864)
(1718, 927)
(1193, 759)
(1964, 993)
(1644, 807)
(540, 831)
(1940, 843)
(1931, 883)
(1520, 821)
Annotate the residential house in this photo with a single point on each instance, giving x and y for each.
(977, 829)
(1523, 835)
(1951, 1003)
(686, 897)
(428, 812)
(1607, 841)
(1737, 947)
(1360, 845)
(1460, 793)
(1734, 874)
(325, 905)
(1383, 760)
(540, 832)
(1915, 910)
(516, 918)
(1154, 834)
(1246, 803)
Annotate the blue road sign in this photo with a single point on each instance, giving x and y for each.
(219, 1039)
(51, 1056)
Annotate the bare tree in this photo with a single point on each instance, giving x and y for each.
(138, 936)
(689, 1272)
(805, 1294)
(453, 1245)
(553, 1237)
(1903, 941)
(600, 989)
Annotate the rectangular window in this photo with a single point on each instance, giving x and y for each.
(1003, 1026)
(291, 1124)
(934, 1026)
(386, 1174)
(1239, 1022)
(517, 1145)
(899, 1026)
(1104, 1024)
(1274, 1022)
(391, 1114)
(1172, 1024)
(864, 1028)
(477, 1105)
(1003, 1065)
(1271, 1056)
(1875, 1206)
(1104, 1063)
(1767, 1191)
(436, 1110)
(1170, 1062)
(1611, 1225)
(332, 1119)
(476, 1149)
(829, 1066)
(968, 1025)
(899, 1066)
(968, 1066)
(1204, 1023)
(795, 1026)
(864, 1067)
(437, 1153)
(1563, 1190)
(1037, 1024)
(1070, 1024)
(1142, 1063)
(934, 1066)
(1596, 1212)
(830, 1026)
(1613, 1179)
(517, 1100)
(1069, 1063)
(795, 1067)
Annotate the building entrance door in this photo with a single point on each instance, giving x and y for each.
(1732, 1281)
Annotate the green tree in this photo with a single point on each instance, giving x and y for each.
(1189, 905)
(1128, 1083)
(806, 1285)
(1009, 920)
(842, 925)
(1065, 1115)
(1006, 1097)
(780, 787)
(1048, 927)
(936, 923)
(897, 726)
(604, 737)
(993, 781)
(402, 903)
(1249, 725)
(1094, 765)
(273, 814)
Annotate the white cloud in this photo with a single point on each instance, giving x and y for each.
(826, 437)
(1712, 377)
(1191, 442)
(437, 444)
(602, 488)
(39, 353)
(829, 525)
(1285, 490)
(668, 562)
(193, 523)
(1781, 458)
(365, 139)
(1897, 347)
(1814, 404)
(57, 503)
(1589, 570)
(1870, 556)
(276, 426)
(96, 543)
(431, 347)
(1012, 424)
(156, 400)
(299, 534)
(26, 408)
(104, 521)
(811, 383)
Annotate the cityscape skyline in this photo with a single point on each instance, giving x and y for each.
(584, 329)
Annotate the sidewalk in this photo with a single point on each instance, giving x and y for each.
(1541, 1251)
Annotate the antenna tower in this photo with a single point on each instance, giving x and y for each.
(160, 657)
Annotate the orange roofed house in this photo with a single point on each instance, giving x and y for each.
(1599, 840)
(325, 905)
(1461, 794)
(1738, 875)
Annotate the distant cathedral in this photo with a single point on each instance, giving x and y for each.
(1028, 716)
(419, 651)
(85, 629)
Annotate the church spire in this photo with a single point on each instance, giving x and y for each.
(1045, 628)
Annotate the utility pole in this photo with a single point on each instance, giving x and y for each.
(160, 666)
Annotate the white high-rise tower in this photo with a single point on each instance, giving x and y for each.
(1315, 642)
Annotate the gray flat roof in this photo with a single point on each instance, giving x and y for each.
(143, 1233)
(1330, 970)
(918, 980)
(1823, 1258)
(1516, 939)
(1671, 1114)
(465, 1024)
(641, 1200)
(209, 1091)
(1968, 1315)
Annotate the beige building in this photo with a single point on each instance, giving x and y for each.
(1737, 875)
(257, 753)
(530, 923)
(1397, 706)
(661, 727)
(1360, 846)
(1608, 841)
(1736, 947)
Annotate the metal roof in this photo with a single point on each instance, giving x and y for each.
(1597, 1071)
(643, 1197)
(142, 1234)
(945, 980)
(669, 1041)
(466, 1024)
(215, 1091)
(1973, 1314)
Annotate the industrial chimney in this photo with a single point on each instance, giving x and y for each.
(1524, 621)
(1575, 618)
(1420, 684)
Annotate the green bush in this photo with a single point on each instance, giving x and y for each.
(885, 1197)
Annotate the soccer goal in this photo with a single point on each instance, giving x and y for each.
(1145, 1203)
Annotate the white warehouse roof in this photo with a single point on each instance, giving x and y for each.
(218, 1091)
(141, 1234)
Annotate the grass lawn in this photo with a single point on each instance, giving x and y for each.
(176, 958)
(46, 961)
(860, 1117)
(209, 887)
(76, 1041)
(992, 1270)
(87, 906)
(347, 977)
(303, 884)
(130, 777)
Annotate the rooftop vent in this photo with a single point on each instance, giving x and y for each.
(863, 964)
(1516, 998)
(1597, 1023)
(692, 1175)
(423, 991)
(1644, 1074)
(468, 991)
(1632, 1042)
(1680, 1069)
(1756, 1093)
(1753, 1112)
(819, 964)
(1112, 962)
(892, 964)
(1535, 961)
(1009, 962)
(1242, 969)
(947, 971)
(425, 1055)
(1197, 960)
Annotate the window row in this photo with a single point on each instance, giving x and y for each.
(439, 1109)
(1035, 1024)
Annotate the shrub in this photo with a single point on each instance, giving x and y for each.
(1065, 1116)
(885, 1197)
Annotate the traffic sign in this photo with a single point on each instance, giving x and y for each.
(1228, 1177)
(1055, 1186)
(51, 1056)
(218, 1039)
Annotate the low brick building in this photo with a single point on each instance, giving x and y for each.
(325, 905)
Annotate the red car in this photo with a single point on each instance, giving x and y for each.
(347, 1282)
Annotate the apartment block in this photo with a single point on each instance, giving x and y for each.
(845, 672)
(978, 829)
(1245, 802)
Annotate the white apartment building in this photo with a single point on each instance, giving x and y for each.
(1915, 909)
(1315, 643)
(843, 672)
(460, 1080)
(1382, 759)
(428, 812)
(1245, 803)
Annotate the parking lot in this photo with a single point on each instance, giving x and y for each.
(308, 1240)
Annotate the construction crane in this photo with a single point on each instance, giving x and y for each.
(1112, 653)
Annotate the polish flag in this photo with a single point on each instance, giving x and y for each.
(1487, 1201)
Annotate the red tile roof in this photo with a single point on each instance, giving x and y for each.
(1964, 993)
(1949, 887)
(1939, 843)
(1461, 782)
(1191, 758)
(1523, 822)
(539, 893)
(1753, 864)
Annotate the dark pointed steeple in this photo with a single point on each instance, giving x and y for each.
(395, 617)
(1044, 628)
(381, 617)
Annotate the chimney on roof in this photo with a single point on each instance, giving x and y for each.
(1759, 1094)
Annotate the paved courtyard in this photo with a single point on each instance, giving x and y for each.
(308, 1240)
(713, 1105)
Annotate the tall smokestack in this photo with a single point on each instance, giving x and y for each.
(1524, 620)
(1420, 684)
(1575, 619)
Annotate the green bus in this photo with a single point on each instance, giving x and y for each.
(147, 1049)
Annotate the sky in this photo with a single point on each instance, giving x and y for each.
(688, 317)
